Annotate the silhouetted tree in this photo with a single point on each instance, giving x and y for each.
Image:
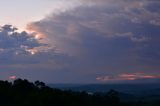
(113, 98)
(24, 93)
(39, 84)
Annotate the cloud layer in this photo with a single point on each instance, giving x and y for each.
(100, 38)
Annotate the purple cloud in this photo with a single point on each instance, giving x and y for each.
(96, 38)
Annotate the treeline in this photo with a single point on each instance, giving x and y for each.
(24, 93)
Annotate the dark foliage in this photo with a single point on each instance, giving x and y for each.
(25, 93)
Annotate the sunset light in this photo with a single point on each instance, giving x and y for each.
(80, 52)
(80, 41)
(12, 77)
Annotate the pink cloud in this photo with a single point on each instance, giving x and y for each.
(12, 77)
(125, 77)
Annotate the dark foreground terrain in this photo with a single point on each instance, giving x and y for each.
(25, 93)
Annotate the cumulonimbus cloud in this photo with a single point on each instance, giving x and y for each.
(68, 31)
(105, 38)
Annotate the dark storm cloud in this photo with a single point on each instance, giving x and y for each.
(18, 47)
(11, 39)
(102, 38)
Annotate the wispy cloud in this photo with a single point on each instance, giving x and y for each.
(12, 77)
(127, 77)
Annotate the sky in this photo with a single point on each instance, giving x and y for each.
(80, 41)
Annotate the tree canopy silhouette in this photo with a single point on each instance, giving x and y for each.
(21, 92)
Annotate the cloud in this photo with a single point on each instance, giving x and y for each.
(18, 47)
(127, 77)
(12, 77)
(9, 38)
(105, 37)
